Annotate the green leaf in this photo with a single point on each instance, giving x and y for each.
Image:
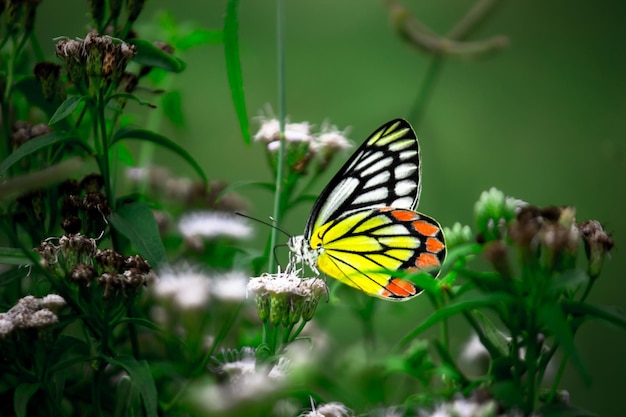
(554, 320)
(13, 274)
(571, 279)
(200, 37)
(141, 322)
(65, 109)
(137, 223)
(41, 142)
(30, 87)
(127, 398)
(466, 302)
(149, 136)
(129, 96)
(233, 66)
(610, 314)
(141, 377)
(495, 336)
(172, 108)
(13, 256)
(22, 396)
(151, 56)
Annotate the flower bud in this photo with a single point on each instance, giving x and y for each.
(598, 244)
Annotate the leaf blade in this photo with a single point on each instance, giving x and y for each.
(233, 66)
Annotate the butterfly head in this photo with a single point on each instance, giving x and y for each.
(301, 252)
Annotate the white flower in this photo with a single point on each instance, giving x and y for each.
(269, 130)
(6, 325)
(53, 302)
(187, 288)
(331, 138)
(287, 282)
(332, 409)
(31, 312)
(294, 132)
(212, 224)
(230, 286)
(247, 381)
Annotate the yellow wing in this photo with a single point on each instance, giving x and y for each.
(357, 249)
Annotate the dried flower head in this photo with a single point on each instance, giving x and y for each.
(598, 244)
(31, 312)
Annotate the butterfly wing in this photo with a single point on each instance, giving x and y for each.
(360, 246)
(383, 172)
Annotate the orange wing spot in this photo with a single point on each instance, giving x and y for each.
(404, 215)
(384, 209)
(427, 260)
(434, 245)
(398, 288)
(425, 228)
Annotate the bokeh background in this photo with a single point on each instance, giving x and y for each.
(544, 120)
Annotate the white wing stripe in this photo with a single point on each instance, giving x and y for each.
(376, 195)
(378, 166)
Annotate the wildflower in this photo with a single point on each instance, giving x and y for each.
(598, 244)
(186, 288)
(246, 380)
(212, 225)
(285, 298)
(6, 325)
(493, 210)
(328, 142)
(230, 286)
(332, 409)
(31, 312)
(457, 235)
(462, 407)
(269, 132)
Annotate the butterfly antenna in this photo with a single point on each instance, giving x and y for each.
(272, 225)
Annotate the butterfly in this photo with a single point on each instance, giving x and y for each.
(363, 224)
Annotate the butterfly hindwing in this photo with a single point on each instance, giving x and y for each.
(359, 248)
(383, 172)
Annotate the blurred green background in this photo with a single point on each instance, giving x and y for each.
(544, 121)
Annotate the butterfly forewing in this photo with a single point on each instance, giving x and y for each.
(361, 247)
(383, 172)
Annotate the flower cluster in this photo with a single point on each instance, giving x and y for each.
(78, 258)
(285, 298)
(191, 289)
(548, 235)
(96, 61)
(31, 312)
(83, 206)
(302, 145)
(244, 380)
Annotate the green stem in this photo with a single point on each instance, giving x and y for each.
(426, 90)
(277, 214)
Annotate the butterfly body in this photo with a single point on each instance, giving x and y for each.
(363, 225)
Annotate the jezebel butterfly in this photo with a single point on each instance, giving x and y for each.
(363, 224)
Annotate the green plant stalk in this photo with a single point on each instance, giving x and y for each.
(426, 90)
(531, 363)
(277, 214)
